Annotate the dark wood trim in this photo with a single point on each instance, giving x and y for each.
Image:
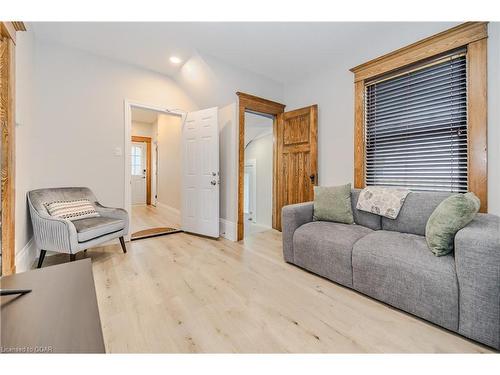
(472, 35)
(253, 103)
(147, 140)
(447, 40)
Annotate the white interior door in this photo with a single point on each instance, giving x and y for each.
(200, 190)
(138, 160)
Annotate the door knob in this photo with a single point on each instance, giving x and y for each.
(312, 177)
(213, 182)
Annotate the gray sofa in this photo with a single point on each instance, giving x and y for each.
(389, 260)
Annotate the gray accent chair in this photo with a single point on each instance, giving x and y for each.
(389, 260)
(65, 236)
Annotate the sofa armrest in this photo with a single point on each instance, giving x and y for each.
(114, 213)
(477, 260)
(53, 234)
(292, 217)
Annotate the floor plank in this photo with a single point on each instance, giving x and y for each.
(187, 294)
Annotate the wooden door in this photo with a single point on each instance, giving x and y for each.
(297, 157)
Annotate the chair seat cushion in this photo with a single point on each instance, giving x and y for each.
(398, 269)
(94, 227)
(325, 248)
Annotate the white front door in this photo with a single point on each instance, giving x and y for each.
(138, 166)
(200, 156)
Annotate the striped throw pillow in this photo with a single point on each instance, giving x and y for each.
(72, 210)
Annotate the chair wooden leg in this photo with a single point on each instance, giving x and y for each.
(72, 257)
(122, 242)
(41, 258)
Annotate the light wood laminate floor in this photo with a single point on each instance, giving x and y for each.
(184, 293)
(147, 217)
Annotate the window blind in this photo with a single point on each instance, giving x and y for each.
(416, 127)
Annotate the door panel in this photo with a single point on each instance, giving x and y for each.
(297, 157)
(200, 193)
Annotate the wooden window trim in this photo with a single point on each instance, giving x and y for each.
(249, 102)
(472, 35)
(147, 140)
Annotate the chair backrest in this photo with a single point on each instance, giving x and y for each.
(39, 197)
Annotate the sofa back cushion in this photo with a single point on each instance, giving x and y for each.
(415, 212)
(364, 218)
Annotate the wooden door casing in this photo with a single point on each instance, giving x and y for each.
(297, 157)
(253, 103)
(7, 53)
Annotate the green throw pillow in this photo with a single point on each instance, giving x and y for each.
(452, 214)
(333, 204)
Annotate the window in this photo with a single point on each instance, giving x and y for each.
(137, 169)
(420, 115)
(416, 127)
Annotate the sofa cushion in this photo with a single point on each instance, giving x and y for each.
(325, 248)
(333, 203)
(94, 227)
(364, 218)
(398, 269)
(416, 210)
(72, 210)
(451, 215)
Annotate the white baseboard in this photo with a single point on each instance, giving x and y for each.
(26, 257)
(227, 229)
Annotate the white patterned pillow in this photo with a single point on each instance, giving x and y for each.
(72, 210)
(382, 201)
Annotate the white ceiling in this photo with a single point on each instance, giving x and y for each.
(144, 115)
(282, 51)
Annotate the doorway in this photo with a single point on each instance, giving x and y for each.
(141, 163)
(295, 155)
(258, 173)
(184, 170)
(155, 168)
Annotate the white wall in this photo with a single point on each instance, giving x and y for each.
(333, 90)
(261, 149)
(80, 117)
(25, 120)
(143, 129)
(211, 82)
(228, 164)
(169, 161)
(75, 122)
